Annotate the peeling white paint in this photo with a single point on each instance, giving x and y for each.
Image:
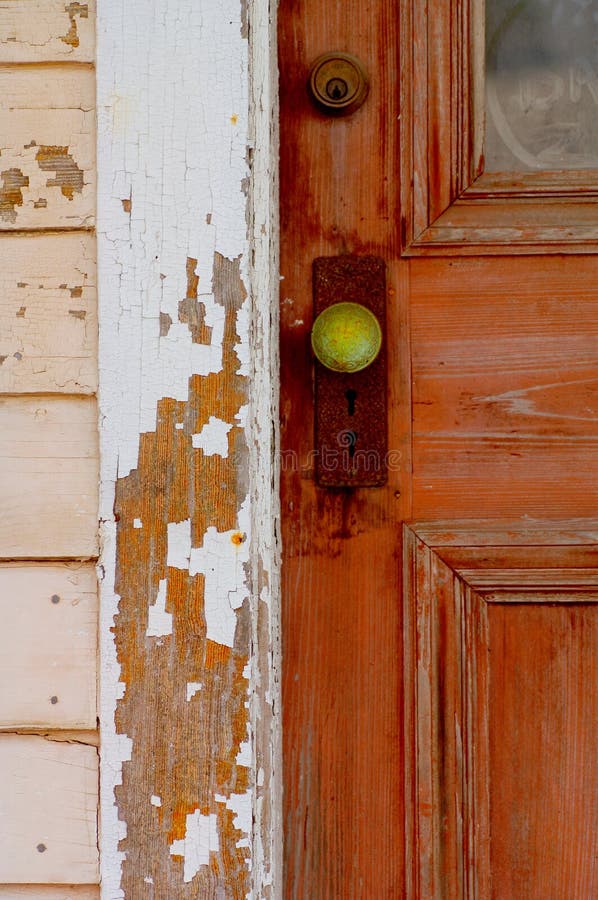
(193, 688)
(201, 839)
(137, 523)
(159, 622)
(222, 563)
(157, 60)
(213, 437)
(155, 800)
(179, 544)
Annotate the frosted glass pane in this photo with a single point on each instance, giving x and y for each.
(541, 85)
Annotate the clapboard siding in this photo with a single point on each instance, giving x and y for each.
(48, 811)
(48, 313)
(48, 477)
(57, 30)
(48, 646)
(47, 166)
(48, 892)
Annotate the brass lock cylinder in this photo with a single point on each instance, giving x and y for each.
(338, 83)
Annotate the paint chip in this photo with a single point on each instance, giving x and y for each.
(155, 800)
(179, 544)
(137, 523)
(201, 839)
(159, 622)
(213, 438)
(193, 688)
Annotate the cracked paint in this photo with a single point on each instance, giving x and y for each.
(179, 613)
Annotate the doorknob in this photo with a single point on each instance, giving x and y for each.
(348, 340)
(346, 337)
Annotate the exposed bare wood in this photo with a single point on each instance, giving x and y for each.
(48, 799)
(47, 120)
(48, 646)
(57, 30)
(48, 314)
(48, 477)
(187, 669)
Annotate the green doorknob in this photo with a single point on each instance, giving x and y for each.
(346, 337)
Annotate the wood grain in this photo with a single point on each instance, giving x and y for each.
(48, 314)
(500, 724)
(59, 30)
(505, 387)
(47, 167)
(48, 803)
(48, 477)
(184, 703)
(48, 646)
(343, 807)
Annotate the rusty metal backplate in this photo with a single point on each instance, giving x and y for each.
(350, 409)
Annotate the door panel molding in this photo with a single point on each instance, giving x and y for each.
(453, 770)
(449, 204)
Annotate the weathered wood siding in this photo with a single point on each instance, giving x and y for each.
(48, 453)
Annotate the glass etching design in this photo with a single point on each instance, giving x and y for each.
(541, 85)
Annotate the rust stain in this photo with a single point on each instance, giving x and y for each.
(21, 312)
(73, 10)
(76, 291)
(77, 313)
(2, 359)
(69, 177)
(184, 752)
(126, 205)
(238, 537)
(11, 194)
(41, 203)
(191, 310)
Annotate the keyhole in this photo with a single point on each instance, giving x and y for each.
(337, 88)
(351, 396)
(352, 436)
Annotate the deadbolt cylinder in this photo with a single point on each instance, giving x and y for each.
(338, 83)
(346, 337)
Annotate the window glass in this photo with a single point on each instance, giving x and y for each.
(541, 85)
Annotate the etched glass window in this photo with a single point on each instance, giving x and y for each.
(541, 85)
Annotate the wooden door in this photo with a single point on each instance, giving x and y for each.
(439, 674)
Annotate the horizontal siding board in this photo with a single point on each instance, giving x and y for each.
(59, 30)
(48, 314)
(47, 163)
(48, 811)
(49, 892)
(48, 477)
(48, 645)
